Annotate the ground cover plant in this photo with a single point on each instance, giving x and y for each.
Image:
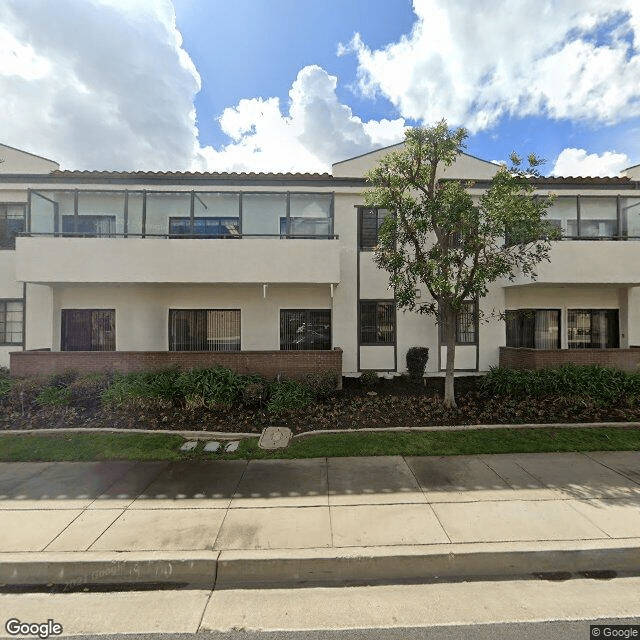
(221, 400)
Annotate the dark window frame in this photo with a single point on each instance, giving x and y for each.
(71, 225)
(193, 233)
(200, 318)
(307, 345)
(3, 322)
(364, 244)
(7, 234)
(519, 318)
(613, 341)
(376, 330)
(69, 342)
(476, 326)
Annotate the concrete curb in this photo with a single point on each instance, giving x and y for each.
(236, 569)
(224, 435)
(73, 569)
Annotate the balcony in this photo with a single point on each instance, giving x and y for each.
(50, 260)
(178, 236)
(588, 262)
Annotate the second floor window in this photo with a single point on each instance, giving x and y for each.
(89, 226)
(12, 220)
(213, 227)
(370, 221)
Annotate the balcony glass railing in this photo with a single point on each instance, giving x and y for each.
(183, 214)
(596, 217)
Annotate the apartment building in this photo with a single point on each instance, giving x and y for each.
(275, 272)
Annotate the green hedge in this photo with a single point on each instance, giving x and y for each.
(603, 385)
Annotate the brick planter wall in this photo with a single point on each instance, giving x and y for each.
(294, 364)
(517, 358)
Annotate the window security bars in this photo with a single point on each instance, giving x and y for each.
(533, 328)
(593, 329)
(377, 322)
(305, 329)
(204, 330)
(88, 330)
(466, 324)
(12, 223)
(11, 322)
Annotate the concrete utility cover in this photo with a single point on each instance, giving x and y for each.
(275, 438)
(212, 445)
(232, 446)
(188, 446)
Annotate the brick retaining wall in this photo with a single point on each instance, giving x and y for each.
(518, 358)
(293, 364)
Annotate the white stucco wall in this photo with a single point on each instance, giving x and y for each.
(48, 260)
(142, 311)
(574, 296)
(17, 161)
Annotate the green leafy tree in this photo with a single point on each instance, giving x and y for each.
(441, 238)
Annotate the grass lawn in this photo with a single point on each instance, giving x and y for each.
(114, 446)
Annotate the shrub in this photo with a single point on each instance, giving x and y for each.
(4, 372)
(23, 393)
(5, 387)
(64, 379)
(323, 384)
(603, 385)
(54, 396)
(288, 394)
(217, 385)
(368, 378)
(253, 394)
(87, 389)
(417, 361)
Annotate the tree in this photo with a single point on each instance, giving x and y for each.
(440, 238)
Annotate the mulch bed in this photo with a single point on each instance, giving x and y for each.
(387, 403)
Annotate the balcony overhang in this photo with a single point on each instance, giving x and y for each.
(48, 260)
(615, 262)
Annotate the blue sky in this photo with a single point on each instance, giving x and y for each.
(278, 85)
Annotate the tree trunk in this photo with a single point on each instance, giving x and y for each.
(450, 343)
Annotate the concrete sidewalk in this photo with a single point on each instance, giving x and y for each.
(231, 524)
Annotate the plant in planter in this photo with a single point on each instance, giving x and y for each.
(416, 362)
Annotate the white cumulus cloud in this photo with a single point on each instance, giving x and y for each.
(97, 84)
(577, 162)
(313, 132)
(107, 84)
(473, 62)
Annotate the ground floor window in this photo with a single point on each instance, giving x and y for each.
(533, 328)
(11, 321)
(88, 330)
(466, 324)
(592, 329)
(305, 329)
(204, 329)
(377, 322)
